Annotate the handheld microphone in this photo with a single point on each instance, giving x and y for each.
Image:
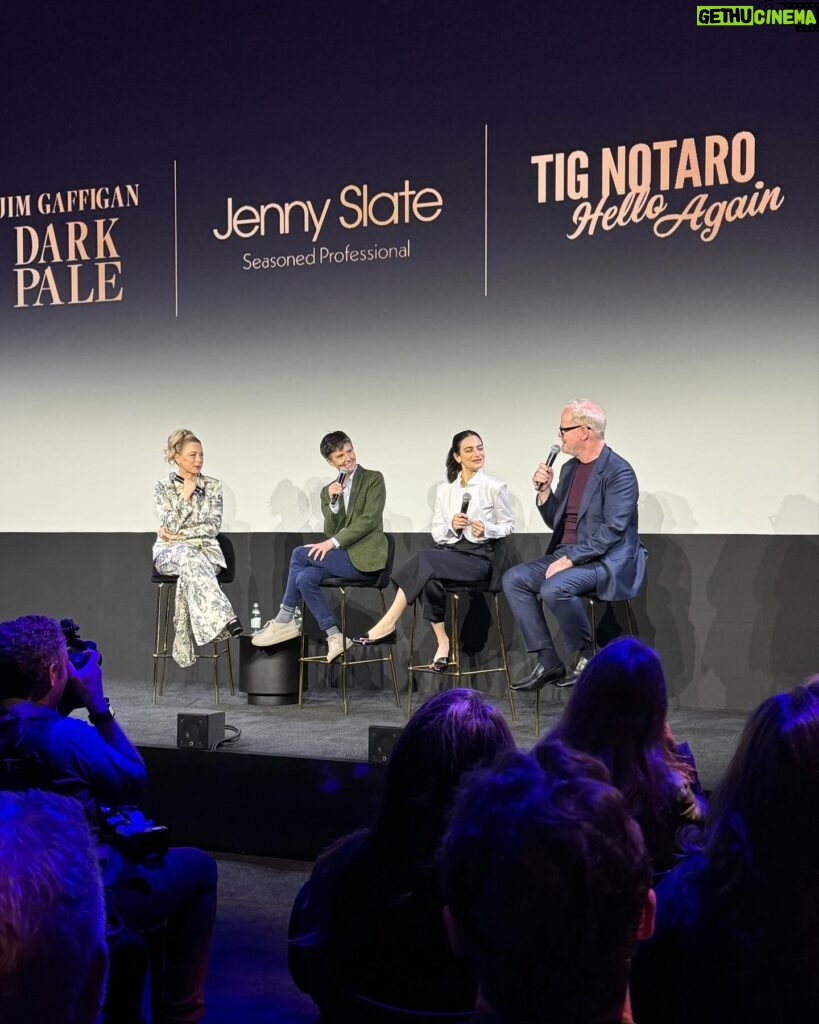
(554, 451)
(336, 498)
(465, 500)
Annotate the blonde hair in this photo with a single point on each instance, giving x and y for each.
(177, 440)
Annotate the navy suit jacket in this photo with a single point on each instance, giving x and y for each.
(606, 524)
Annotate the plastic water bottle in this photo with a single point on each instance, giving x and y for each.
(255, 618)
(297, 617)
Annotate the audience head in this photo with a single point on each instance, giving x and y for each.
(33, 659)
(618, 705)
(333, 442)
(547, 885)
(53, 954)
(177, 440)
(450, 734)
(453, 456)
(764, 815)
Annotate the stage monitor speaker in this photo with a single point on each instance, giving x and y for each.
(381, 741)
(200, 731)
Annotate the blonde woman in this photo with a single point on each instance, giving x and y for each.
(189, 505)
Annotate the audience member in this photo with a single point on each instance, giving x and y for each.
(738, 920)
(617, 712)
(547, 887)
(53, 957)
(97, 764)
(366, 932)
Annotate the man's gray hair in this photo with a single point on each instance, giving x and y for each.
(53, 954)
(589, 414)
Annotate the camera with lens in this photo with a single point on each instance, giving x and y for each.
(78, 655)
(129, 831)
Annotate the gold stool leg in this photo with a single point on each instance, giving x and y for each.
(390, 656)
(455, 643)
(302, 654)
(343, 649)
(504, 659)
(170, 591)
(230, 670)
(410, 676)
(157, 635)
(216, 656)
(632, 627)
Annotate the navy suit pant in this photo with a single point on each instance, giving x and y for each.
(527, 591)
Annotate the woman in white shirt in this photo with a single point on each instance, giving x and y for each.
(471, 512)
(189, 505)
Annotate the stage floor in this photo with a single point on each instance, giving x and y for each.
(321, 731)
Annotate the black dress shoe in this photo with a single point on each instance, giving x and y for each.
(234, 627)
(440, 664)
(541, 676)
(576, 672)
(365, 641)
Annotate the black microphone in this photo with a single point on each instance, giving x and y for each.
(336, 498)
(465, 500)
(554, 451)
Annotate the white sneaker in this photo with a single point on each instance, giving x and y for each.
(275, 633)
(336, 645)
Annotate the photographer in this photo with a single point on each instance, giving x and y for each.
(96, 763)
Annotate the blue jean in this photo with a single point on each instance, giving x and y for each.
(304, 581)
(526, 586)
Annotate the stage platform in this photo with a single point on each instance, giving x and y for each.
(298, 778)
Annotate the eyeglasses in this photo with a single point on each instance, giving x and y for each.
(565, 430)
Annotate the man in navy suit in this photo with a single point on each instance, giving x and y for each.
(594, 549)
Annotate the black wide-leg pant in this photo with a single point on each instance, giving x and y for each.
(423, 572)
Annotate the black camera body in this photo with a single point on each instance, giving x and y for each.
(77, 655)
(129, 831)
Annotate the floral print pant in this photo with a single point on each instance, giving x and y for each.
(201, 609)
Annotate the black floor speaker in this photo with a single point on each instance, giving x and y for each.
(381, 741)
(200, 731)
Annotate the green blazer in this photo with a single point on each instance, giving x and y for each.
(360, 529)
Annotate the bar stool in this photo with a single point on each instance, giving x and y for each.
(454, 590)
(593, 602)
(166, 588)
(379, 583)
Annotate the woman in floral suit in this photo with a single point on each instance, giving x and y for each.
(189, 505)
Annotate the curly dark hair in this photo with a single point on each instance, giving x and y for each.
(333, 442)
(28, 646)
